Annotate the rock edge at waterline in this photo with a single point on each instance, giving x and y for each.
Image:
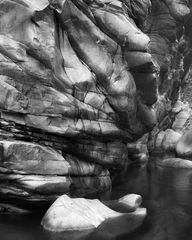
(76, 214)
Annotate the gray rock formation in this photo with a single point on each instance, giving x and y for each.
(75, 214)
(78, 82)
(72, 94)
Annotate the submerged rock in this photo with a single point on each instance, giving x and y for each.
(71, 214)
(11, 209)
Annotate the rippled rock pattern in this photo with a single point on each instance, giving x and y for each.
(78, 81)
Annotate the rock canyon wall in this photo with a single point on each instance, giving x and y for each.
(81, 80)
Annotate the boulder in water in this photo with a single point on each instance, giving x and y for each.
(72, 214)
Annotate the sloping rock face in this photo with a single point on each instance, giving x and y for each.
(78, 81)
(76, 84)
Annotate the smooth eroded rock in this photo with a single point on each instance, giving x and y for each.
(70, 214)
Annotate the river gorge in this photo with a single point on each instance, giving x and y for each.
(95, 119)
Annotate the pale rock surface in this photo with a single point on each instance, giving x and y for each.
(70, 214)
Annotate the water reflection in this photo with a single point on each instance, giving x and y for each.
(167, 194)
(168, 203)
(75, 235)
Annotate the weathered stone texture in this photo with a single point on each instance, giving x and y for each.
(78, 81)
(75, 214)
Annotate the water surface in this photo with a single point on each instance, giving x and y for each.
(167, 195)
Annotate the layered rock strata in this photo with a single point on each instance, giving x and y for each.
(76, 84)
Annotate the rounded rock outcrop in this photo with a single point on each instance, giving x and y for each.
(75, 214)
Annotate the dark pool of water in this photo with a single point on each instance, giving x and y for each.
(167, 195)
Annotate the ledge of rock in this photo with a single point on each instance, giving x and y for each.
(71, 214)
(38, 175)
